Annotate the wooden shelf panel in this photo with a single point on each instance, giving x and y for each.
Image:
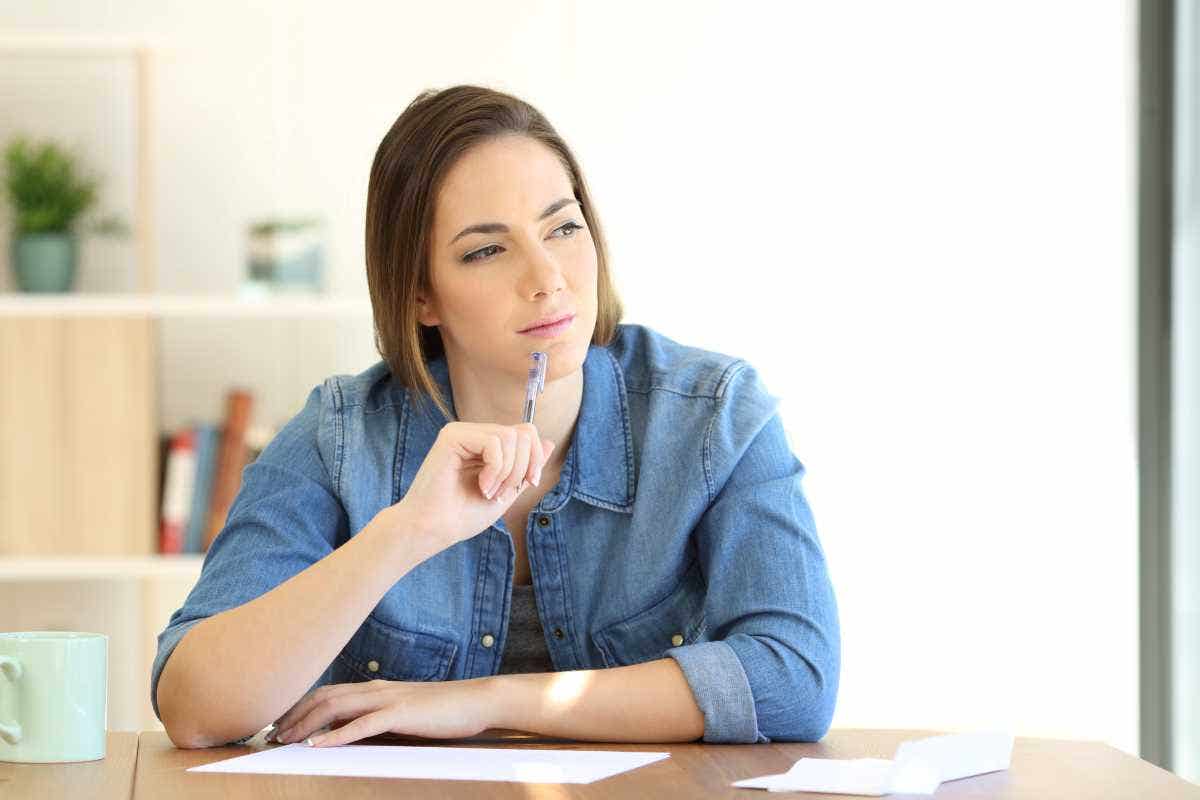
(95, 567)
(164, 306)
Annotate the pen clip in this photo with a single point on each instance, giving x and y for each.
(537, 373)
(535, 384)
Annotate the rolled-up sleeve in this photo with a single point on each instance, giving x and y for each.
(284, 518)
(771, 668)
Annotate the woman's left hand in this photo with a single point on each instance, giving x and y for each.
(434, 710)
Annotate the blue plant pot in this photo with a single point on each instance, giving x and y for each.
(44, 262)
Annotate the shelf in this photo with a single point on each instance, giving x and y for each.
(163, 306)
(99, 567)
(77, 44)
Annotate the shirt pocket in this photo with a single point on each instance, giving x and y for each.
(380, 650)
(672, 621)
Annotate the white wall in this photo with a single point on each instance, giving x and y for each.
(1185, 544)
(916, 219)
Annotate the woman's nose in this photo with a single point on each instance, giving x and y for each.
(543, 275)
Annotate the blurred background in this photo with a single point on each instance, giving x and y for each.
(959, 240)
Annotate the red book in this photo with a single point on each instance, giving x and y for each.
(178, 485)
(231, 460)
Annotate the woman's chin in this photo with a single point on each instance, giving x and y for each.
(566, 357)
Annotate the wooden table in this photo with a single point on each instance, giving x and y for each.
(150, 767)
(1041, 768)
(111, 778)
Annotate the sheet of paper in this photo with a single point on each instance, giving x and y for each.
(919, 767)
(960, 755)
(438, 763)
(870, 776)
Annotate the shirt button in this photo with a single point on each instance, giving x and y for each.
(488, 640)
(373, 666)
(544, 521)
(677, 639)
(558, 633)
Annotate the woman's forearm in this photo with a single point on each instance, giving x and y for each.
(237, 671)
(650, 702)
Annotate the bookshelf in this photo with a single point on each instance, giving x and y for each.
(81, 387)
(89, 380)
(82, 383)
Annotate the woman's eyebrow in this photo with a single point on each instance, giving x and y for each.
(499, 227)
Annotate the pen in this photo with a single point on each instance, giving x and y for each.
(536, 383)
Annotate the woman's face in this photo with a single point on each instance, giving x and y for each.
(525, 265)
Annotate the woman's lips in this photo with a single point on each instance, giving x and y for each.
(550, 331)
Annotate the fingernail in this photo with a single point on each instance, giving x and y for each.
(537, 479)
(313, 741)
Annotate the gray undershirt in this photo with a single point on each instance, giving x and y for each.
(525, 649)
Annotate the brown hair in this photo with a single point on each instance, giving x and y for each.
(423, 144)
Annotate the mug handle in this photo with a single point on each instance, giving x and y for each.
(11, 669)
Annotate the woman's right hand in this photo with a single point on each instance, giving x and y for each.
(471, 476)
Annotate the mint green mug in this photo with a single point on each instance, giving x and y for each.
(53, 696)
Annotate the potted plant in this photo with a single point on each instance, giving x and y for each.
(47, 196)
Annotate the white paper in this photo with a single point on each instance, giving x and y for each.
(438, 763)
(869, 776)
(919, 767)
(960, 755)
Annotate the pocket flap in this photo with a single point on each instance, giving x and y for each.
(397, 654)
(647, 635)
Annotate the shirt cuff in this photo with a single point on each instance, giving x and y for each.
(722, 690)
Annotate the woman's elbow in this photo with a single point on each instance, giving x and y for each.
(804, 721)
(182, 721)
(184, 739)
(180, 728)
(192, 737)
(801, 726)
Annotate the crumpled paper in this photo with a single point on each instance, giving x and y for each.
(919, 767)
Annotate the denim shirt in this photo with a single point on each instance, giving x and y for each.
(678, 529)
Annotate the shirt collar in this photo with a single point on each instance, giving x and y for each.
(599, 466)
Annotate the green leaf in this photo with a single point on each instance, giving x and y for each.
(44, 187)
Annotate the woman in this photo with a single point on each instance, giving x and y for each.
(639, 564)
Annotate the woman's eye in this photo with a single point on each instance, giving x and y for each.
(568, 229)
(569, 226)
(481, 253)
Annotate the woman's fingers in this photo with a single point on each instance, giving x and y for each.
(537, 458)
(372, 724)
(544, 449)
(525, 434)
(493, 462)
(301, 706)
(508, 444)
(508, 454)
(361, 698)
(472, 443)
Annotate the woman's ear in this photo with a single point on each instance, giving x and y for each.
(425, 313)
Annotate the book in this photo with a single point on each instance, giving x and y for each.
(208, 440)
(177, 491)
(231, 460)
